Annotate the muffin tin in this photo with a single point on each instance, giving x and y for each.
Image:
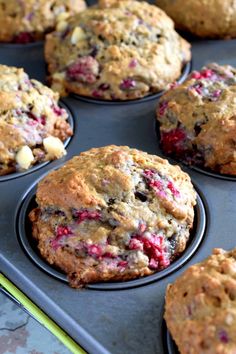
(115, 317)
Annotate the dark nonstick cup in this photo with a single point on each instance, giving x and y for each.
(22, 45)
(185, 71)
(42, 164)
(168, 342)
(23, 229)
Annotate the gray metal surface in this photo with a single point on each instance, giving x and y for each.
(104, 321)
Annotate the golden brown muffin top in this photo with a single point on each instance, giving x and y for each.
(200, 308)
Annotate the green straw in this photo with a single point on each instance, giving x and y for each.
(41, 316)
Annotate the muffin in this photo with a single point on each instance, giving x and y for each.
(113, 213)
(197, 119)
(200, 309)
(28, 21)
(118, 50)
(211, 18)
(32, 125)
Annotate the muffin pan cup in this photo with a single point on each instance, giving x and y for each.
(23, 230)
(101, 320)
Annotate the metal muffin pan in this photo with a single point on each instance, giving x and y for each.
(23, 230)
(39, 165)
(169, 345)
(127, 321)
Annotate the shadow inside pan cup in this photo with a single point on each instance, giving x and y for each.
(23, 228)
(42, 164)
(185, 71)
(15, 45)
(169, 344)
(199, 169)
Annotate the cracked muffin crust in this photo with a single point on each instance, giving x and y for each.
(113, 213)
(28, 21)
(200, 309)
(119, 50)
(197, 119)
(32, 125)
(211, 18)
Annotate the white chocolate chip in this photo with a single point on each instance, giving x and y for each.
(24, 157)
(54, 147)
(61, 26)
(63, 16)
(57, 83)
(58, 76)
(77, 35)
(229, 319)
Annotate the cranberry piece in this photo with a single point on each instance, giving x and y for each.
(135, 244)
(173, 190)
(84, 69)
(104, 87)
(122, 264)
(156, 184)
(133, 63)
(153, 264)
(23, 38)
(142, 227)
(149, 173)
(94, 250)
(40, 120)
(164, 261)
(32, 123)
(223, 336)
(63, 231)
(153, 248)
(196, 75)
(108, 255)
(82, 215)
(207, 73)
(162, 108)
(216, 93)
(127, 84)
(173, 140)
(96, 93)
(203, 74)
(58, 111)
(198, 88)
(173, 85)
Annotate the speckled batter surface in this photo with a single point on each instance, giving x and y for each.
(28, 21)
(113, 213)
(118, 50)
(204, 18)
(200, 308)
(197, 119)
